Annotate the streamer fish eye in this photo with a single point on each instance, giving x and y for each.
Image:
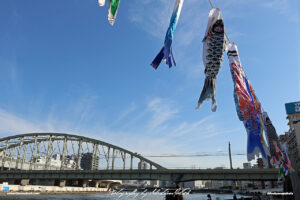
(218, 27)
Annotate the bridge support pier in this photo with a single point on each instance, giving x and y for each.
(97, 184)
(108, 186)
(84, 183)
(62, 183)
(174, 192)
(24, 182)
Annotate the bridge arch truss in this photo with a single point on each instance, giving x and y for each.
(60, 151)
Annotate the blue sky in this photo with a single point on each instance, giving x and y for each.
(63, 68)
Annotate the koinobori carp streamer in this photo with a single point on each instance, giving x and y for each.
(278, 154)
(247, 106)
(112, 10)
(213, 50)
(166, 51)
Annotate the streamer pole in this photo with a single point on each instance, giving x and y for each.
(210, 3)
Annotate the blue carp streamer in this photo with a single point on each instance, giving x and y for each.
(166, 51)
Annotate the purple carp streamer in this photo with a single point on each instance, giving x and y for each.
(213, 51)
(279, 157)
(112, 10)
(166, 51)
(247, 106)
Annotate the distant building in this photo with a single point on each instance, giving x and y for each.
(53, 162)
(217, 184)
(254, 166)
(162, 184)
(190, 185)
(142, 165)
(56, 157)
(209, 184)
(130, 183)
(87, 162)
(247, 165)
(70, 162)
(293, 140)
(284, 138)
(141, 183)
(244, 184)
(199, 184)
(152, 183)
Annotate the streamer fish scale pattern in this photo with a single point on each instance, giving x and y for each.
(216, 44)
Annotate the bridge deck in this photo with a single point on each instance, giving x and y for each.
(178, 175)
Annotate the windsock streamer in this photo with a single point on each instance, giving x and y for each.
(272, 137)
(213, 51)
(247, 106)
(112, 10)
(166, 51)
(278, 153)
(282, 164)
(283, 160)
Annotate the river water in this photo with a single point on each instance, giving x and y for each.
(108, 196)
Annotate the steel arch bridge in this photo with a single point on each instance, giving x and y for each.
(60, 151)
(60, 156)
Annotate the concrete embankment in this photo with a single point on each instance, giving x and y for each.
(48, 189)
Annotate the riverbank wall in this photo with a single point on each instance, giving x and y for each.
(48, 189)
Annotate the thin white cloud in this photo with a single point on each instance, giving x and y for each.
(162, 109)
(9, 72)
(12, 124)
(214, 133)
(131, 108)
(149, 18)
(187, 128)
(84, 108)
(288, 8)
(156, 118)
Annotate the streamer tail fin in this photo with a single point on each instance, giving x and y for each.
(157, 60)
(208, 92)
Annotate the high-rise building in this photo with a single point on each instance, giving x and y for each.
(293, 140)
(87, 161)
